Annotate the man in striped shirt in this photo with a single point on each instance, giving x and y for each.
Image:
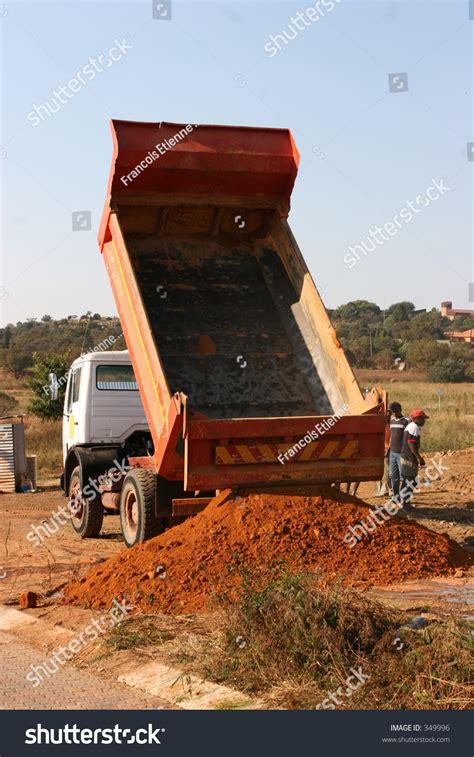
(398, 425)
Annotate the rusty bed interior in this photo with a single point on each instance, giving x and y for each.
(227, 324)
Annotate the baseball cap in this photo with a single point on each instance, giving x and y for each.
(418, 413)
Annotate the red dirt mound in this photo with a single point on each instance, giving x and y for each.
(183, 568)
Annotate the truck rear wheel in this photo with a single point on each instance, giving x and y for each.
(86, 514)
(138, 507)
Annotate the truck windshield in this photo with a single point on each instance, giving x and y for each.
(116, 378)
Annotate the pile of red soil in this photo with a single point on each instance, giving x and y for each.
(183, 568)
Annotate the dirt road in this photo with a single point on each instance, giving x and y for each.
(26, 565)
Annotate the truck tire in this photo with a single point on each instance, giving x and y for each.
(138, 518)
(86, 514)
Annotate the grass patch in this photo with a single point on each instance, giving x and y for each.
(292, 640)
(136, 633)
(451, 421)
(449, 427)
(8, 404)
(44, 439)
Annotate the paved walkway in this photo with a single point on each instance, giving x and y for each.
(68, 689)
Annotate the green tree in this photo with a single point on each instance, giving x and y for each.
(360, 349)
(423, 353)
(462, 350)
(357, 309)
(400, 311)
(18, 362)
(43, 365)
(460, 323)
(422, 326)
(449, 369)
(7, 335)
(383, 359)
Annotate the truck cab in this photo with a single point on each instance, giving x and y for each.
(104, 424)
(102, 402)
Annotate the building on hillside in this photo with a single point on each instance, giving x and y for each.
(461, 336)
(448, 311)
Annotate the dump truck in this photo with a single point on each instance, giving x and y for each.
(243, 380)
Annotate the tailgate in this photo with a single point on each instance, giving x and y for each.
(262, 451)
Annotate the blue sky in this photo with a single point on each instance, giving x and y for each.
(364, 150)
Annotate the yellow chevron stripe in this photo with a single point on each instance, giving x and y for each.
(328, 450)
(307, 452)
(267, 452)
(351, 448)
(223, 456)
(268, 455)
(245, 453)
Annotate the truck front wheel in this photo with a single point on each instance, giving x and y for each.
(86, 514)
(138, 507)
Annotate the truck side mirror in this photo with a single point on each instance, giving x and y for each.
(53, 386)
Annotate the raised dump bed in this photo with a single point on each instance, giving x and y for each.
(232, 348)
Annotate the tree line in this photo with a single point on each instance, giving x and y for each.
(371, 337)
(376, 338)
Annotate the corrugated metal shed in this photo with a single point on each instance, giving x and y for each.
(7, 458)
(12, 453)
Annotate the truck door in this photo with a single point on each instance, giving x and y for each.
(71, 412)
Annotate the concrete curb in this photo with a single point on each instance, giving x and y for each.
(175, 686)
(184, 689)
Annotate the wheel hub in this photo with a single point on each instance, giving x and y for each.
(76, 505)
(131, 512)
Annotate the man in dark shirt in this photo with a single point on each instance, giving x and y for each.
(411, 458)
(398, 425)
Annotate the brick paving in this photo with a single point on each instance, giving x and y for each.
(68, 689)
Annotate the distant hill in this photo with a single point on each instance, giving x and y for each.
(371, 337)
(69, 336)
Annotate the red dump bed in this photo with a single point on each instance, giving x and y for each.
(236, 360)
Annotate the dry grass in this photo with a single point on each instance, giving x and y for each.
(44, 439)
(292, 640)
(17, 390)
(449, 427)
(137, 633)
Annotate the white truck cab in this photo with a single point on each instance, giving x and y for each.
(102, 403)
(104, 425)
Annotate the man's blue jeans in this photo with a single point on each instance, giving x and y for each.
(395, 472)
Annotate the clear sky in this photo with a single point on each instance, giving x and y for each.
(365, 151)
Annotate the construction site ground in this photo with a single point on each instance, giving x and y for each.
(446, 506)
